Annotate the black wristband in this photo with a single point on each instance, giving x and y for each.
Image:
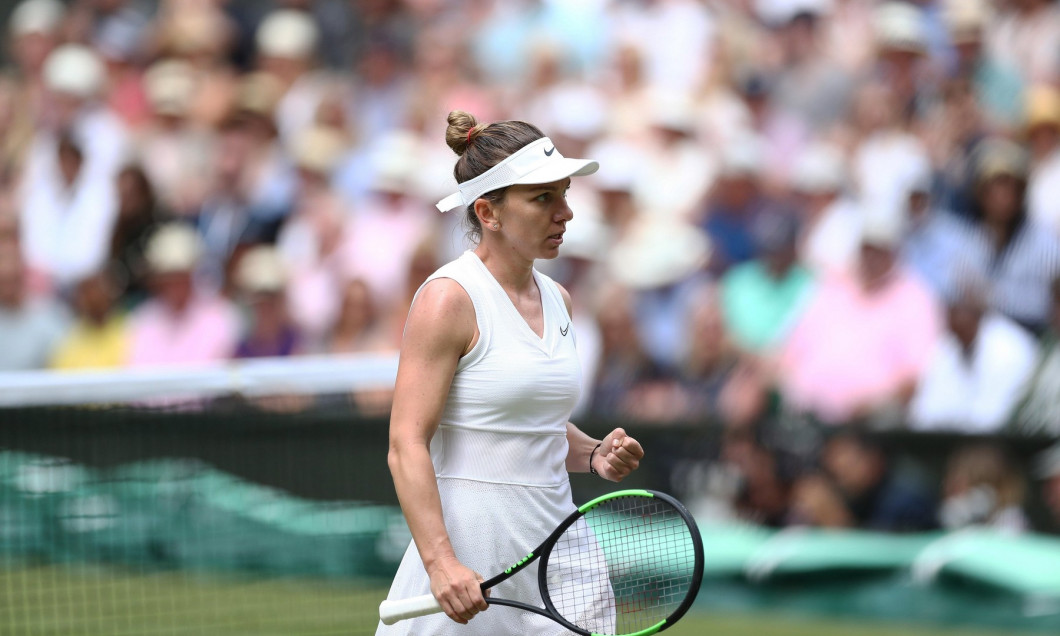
(591, 469)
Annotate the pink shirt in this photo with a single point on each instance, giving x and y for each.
(206, 332)
(853, 349)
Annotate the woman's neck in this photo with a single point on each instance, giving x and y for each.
(512, 272)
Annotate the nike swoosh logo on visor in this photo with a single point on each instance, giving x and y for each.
(548, 153)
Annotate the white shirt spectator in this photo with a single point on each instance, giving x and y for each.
(66, 232)
(886, 164)
(1043, 194)
(676, 38)
(104, 142)
(975, 393)
(832, 242)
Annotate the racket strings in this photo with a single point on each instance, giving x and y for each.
(626, 565)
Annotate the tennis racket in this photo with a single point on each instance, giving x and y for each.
(627, 563)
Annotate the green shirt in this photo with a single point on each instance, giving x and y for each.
(760, 309)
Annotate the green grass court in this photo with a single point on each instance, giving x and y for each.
(81, 601)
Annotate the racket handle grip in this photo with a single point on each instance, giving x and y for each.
(391, 612)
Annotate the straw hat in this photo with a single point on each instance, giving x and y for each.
(169, 85)
(288, 34)
(1043, 106)
(965, 19)
(899, 26)
(259, 93)
(318, 148)
(999, 157)
(175, 247)
(261, 270)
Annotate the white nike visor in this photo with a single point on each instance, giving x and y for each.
(536, 162)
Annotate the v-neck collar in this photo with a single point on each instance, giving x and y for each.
(542, 340)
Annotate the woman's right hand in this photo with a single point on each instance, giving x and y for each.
(457, 589)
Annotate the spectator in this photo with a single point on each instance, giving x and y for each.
(863, 340)
(1043, 139)
(981, 488)
(902, 49)
(138, 217)
(811, 86)
(176, 153)
(708, 366)
(179, 324)
(735, 201)
(34, 32)
(68, 219)
(889, 157)
(312, 239)
(674, 170)
(997, 85)
(261, 282)
(761, 299)
(978, 369)
(625, 369)
(859, 487)
(99, 339)
(932, 245)
(394, 211)
(1039, 412)
(758, 490)
(663, 263)
(201, 36)
(30, 329)
(357, 328)
(1018, 256)
(74, 79)
(831, 231)
(287, 48)
(255, 183)
(1049, 472)
(1025, 35)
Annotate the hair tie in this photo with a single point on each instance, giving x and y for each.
(469, 135)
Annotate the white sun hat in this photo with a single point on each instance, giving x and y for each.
(820, 168)
(175, 247)
(287, 33)
(36, 16)
(261, 270)
(536, 162)
(74, 70)
(657, 253)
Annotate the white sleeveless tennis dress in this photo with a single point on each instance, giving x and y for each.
(499, 453)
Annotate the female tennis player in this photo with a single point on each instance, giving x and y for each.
(480, 442)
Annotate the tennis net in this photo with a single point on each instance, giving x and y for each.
(238, 499)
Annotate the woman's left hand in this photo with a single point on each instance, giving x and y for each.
(618, 455)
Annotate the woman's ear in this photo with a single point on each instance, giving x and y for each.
(486, 213)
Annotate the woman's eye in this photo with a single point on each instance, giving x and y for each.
(543, 197)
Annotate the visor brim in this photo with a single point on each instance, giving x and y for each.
(558, 170)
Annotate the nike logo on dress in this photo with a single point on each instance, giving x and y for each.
(562, 330)
(548, 153)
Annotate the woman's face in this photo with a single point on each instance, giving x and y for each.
(533, 219)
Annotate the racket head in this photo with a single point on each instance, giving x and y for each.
(630, 563)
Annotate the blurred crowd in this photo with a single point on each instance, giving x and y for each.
(839, 214)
